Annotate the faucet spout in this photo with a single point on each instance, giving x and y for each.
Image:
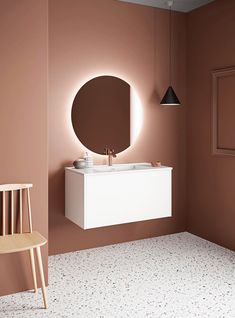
(111, 154)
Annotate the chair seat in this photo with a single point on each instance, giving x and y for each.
(20, 242)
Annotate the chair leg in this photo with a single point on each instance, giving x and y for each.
(32, 261)
(38, 250)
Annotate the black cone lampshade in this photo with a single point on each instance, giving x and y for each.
(170, 98)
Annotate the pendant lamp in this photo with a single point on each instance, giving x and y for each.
(170, 98)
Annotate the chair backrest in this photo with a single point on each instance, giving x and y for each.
(8, 192)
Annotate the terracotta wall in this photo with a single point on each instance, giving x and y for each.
(90, 38)
(210, 179)
(23, 120)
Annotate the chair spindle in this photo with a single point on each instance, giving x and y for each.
(21, 212)
(29, 211)
(12, 212)
(3, 213)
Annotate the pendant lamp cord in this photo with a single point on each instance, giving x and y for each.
(155, 46)
(170, 37)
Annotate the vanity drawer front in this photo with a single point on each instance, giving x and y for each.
(128, 197)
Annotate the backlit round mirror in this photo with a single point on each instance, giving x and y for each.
(104, 114)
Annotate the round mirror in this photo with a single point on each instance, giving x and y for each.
(101, 114)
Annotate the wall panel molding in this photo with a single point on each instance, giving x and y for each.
(218, 147)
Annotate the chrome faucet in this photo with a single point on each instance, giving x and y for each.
(111, 154)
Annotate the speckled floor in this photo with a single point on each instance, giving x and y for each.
(178, 275)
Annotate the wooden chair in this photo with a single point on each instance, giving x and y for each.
(10, 240)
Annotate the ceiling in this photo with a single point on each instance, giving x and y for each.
(178, 5)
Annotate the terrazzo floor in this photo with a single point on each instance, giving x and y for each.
(173, 276)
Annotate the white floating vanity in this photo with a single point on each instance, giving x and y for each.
(122, 193)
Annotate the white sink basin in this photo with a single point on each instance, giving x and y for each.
(113, 168)
(119, 167)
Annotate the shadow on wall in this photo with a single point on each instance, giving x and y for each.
(57, 190)
(154, 98)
